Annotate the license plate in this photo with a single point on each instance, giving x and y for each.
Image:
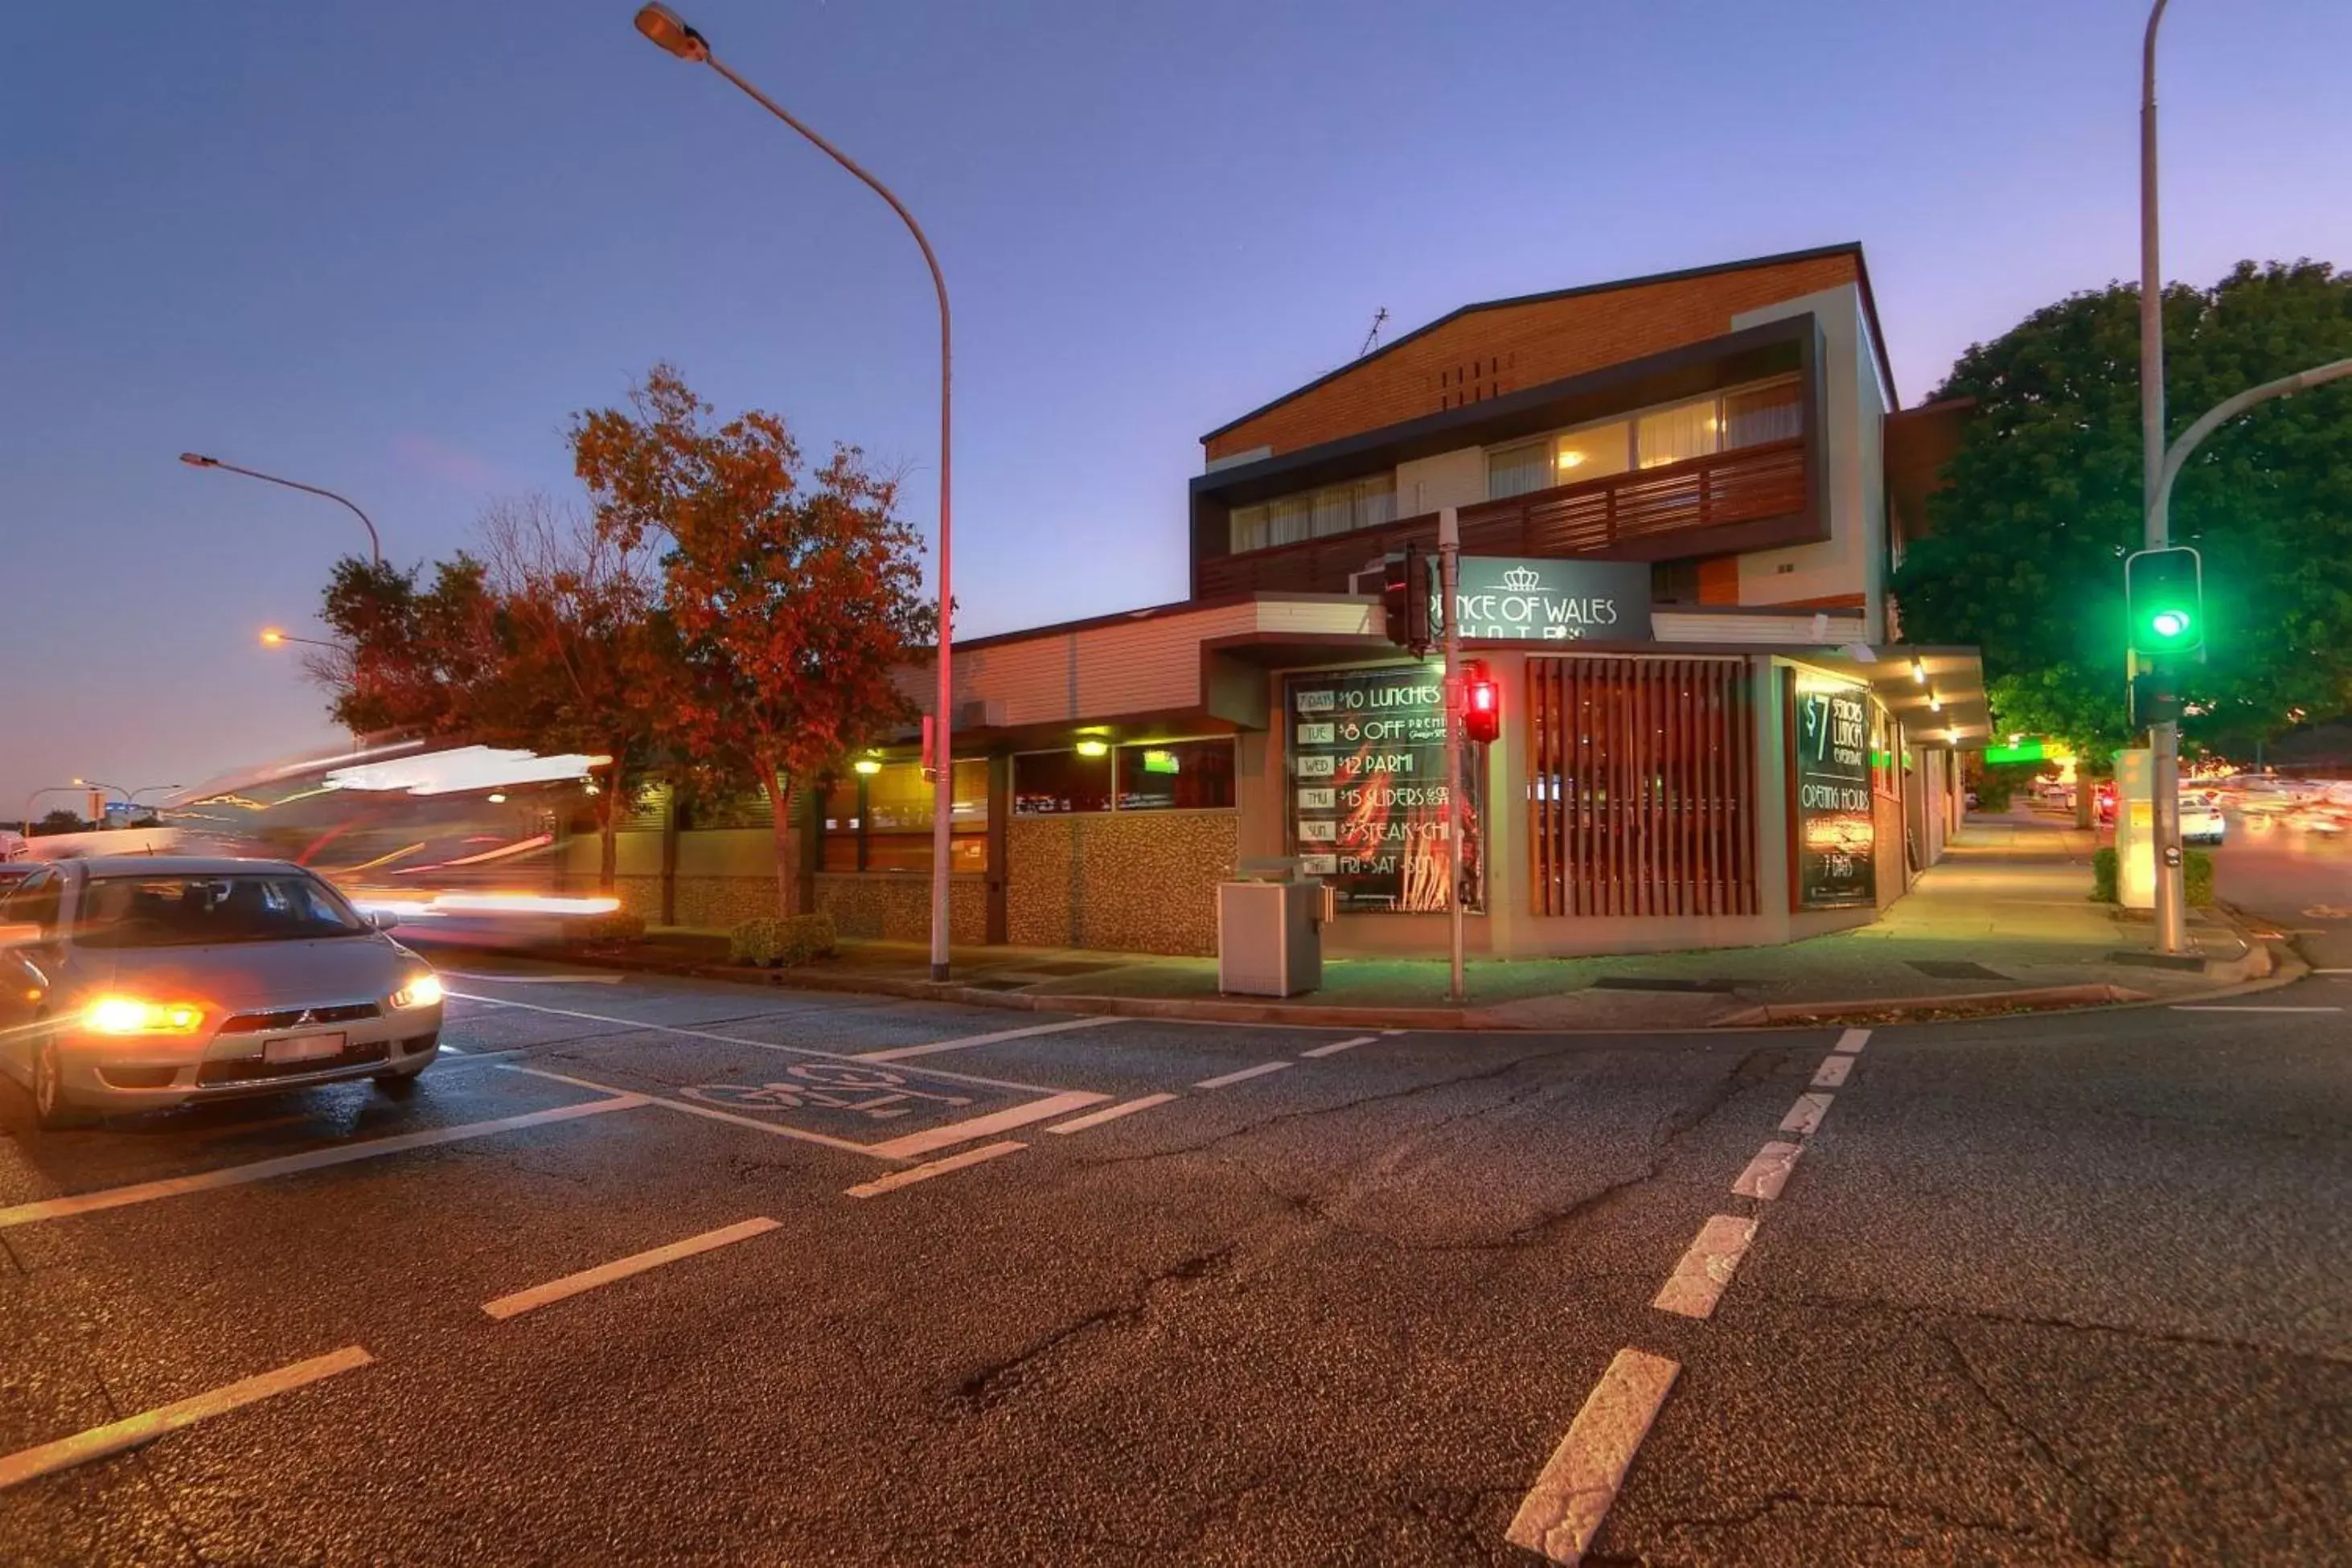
(302, 1048)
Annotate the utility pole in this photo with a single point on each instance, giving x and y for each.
(1449, 552)
(2163, 740)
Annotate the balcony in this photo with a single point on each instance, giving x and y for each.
(1753, 498)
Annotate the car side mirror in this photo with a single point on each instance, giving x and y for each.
(383, 920)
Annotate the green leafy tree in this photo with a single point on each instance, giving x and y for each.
(789, 601)
(414, 655)
(2025, 553)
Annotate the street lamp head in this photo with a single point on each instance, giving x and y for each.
(667, 28)
(271, 637)
(198, 460)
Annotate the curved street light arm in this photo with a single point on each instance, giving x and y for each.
(2177, 456)
(376, 545)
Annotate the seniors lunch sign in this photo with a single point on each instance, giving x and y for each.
(1503, 599)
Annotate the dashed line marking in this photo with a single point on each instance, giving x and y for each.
(1832, 1073)
(913, 1173)
(1698, 1280)
(571, 1284)
(985, 1126)
(1562, 1512)
(1111, 1113)
(1851, 1040)
(287, 1164)
(1258, 1071)
(1769, 1172)
(1805, 1116)
(134, 1431)
(1336, 1047)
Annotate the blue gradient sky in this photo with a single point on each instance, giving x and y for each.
(388, 249)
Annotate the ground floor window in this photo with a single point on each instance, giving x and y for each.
(1142, 775)
(1641, 787)
(881, 821)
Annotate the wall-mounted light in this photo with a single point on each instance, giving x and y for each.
(1935, 704)
(1919, 671)
(1092, 748)
(497, 800)
(868, 764)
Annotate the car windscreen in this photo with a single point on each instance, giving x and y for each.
(184, 910)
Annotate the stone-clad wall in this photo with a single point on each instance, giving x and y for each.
(1124, 882)
(896, 906)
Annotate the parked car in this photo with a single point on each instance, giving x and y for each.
(129, 983)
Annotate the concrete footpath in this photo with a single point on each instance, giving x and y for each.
(2005, 923)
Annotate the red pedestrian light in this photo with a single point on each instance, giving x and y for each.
(1482, 703)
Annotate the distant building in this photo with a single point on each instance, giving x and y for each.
(1673, 493)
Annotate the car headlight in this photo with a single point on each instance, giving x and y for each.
(422, 991)
(136, 1016)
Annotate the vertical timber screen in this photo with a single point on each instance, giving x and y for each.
(1641, 785)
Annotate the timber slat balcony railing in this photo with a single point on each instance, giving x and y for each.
(1624, 513)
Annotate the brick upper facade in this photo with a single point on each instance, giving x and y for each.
(1484, 351)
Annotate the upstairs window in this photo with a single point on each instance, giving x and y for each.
(1747, 415)
(1315, 514)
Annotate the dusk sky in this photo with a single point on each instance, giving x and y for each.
(389, 248)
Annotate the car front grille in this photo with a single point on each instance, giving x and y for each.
(257, 1069)
(286, 1018)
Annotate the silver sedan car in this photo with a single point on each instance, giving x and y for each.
(132, 983)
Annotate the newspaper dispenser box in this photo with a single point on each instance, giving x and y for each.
(1270, 922)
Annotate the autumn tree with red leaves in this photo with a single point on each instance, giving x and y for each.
(787, 601)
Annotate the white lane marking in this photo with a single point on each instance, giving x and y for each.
(638, 1026)
(1563, 1512)
(1111, 1113)
(993, 1122)
(900, 1053)
(1258, 1071)
(1769, 1172)
(454, 1051)
(2331, 971)
(603, 977)
(1386, 1032)
(1698, 1280)
(522, 1301)
(1805, 1116)
(133, 1431)
(1336, 1047)
(1851, 1040)
(897, 1179)
(286, 1164)
(2189, 1007)
(713, 1112)
(1832, 1073)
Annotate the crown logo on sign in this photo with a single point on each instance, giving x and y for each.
(1520, 580)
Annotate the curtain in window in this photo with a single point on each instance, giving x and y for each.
(1594, 452)
(1677, 434)
(1248, 528)
(1755, 415)
(1516, 471)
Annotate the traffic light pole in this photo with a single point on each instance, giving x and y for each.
(1449, 552)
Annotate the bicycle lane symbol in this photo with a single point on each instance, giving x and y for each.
(876, 1094)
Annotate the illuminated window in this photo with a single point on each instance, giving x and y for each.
(1176, 775)
(1055, 784)
(882, 821)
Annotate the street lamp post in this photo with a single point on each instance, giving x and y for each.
(272, 637)
(46, 789)
(375, 548)
(2163, 740)
(667, 29)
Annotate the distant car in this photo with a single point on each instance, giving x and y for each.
(135, 982)
(2107, 801)
(15, 871)
(2201, 820)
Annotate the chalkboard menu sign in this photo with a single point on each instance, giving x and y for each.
(1366, 755)
(1835, 841)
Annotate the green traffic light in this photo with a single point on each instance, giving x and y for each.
(2170, 624)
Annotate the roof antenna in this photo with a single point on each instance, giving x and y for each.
(1373, 338)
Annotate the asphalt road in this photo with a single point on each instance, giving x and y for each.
(2039, 1292)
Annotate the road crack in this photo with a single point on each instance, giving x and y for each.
(2101, 1511)
(999, 1381)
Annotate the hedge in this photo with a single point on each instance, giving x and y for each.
(2198, 865)
(769, 942)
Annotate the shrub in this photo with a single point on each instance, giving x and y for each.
(2198, 878)
(769, 942)
(613, 925)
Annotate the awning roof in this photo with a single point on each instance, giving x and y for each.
(1938, 693)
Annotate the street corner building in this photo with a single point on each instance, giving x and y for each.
(1678, 498)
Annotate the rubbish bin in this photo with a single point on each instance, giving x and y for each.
(1270, 930)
